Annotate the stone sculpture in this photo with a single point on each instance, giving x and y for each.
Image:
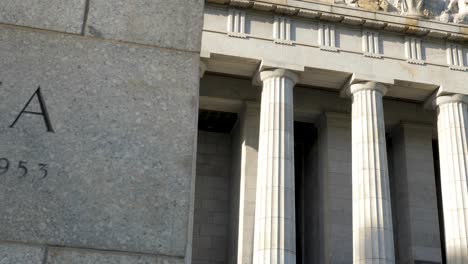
(405, 7)
(456, 11)
(412, 8)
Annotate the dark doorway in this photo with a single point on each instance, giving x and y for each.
(305, 135)
(440, 207)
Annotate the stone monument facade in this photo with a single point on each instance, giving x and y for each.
(233, 131)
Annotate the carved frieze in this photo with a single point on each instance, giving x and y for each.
(455, 57)
(414, 17)
(413, 50)
(449, 11)
(371, 44)
(282, 30)
(236, 23)
(327, 37)
(454, 11)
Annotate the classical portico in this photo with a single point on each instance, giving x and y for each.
(342, 118)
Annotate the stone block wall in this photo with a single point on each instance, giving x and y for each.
(415, 196)
(111, 179)
(335, 199)
(212, 203)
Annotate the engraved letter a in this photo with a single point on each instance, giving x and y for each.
(43, 112)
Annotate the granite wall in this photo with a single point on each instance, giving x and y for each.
(98, 118)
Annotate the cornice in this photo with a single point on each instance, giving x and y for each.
(358, 17)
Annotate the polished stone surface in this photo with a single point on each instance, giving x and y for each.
(119, 164)
(170, 24)
(59, 15)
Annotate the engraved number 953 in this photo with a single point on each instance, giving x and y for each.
(22, 168)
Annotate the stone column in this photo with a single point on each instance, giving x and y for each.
(275, 232)
(372, 216)
(452, 125)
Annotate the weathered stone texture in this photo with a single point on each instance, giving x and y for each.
(76, 256)
(60, 15)
(171, 24)
(371, 5)
(120, 160)
(18, 253)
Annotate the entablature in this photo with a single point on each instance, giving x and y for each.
(328, 53)
(355, 16)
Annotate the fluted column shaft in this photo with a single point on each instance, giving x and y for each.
(275, 232)
(452, 125)
(372, 217)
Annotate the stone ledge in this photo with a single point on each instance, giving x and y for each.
(328, 48)
(26, 253)
(372, 55)
(57, 15)
(146, 22)
(59, 255)
(357, 16)
(21, 253)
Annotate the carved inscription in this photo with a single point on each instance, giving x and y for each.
(44, 113)
(22, 169)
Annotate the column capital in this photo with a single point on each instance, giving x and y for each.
(271, 73)
(360, 86)
(445, 99)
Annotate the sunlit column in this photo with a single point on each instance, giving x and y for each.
(275, 232)
(372, 217)
(452, 124)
